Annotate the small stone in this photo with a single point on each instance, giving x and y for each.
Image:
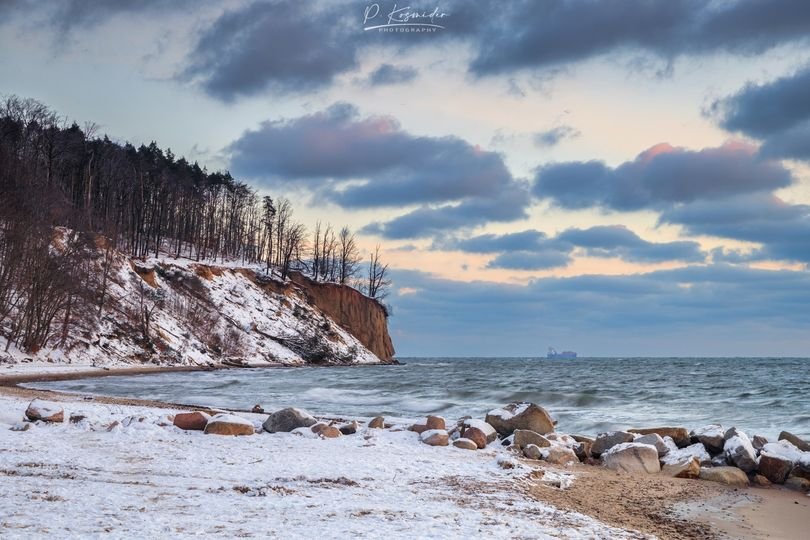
(532, 451)
(632, 458)
(525, 437)
(435, 437)
(418, 428)
(192, 421)
(229, 424)
(799, 443)
(258, 409)
(330, 432)
(486, 429)
(730, 476)
(679, 435)
(435, 422)
(75, 418)
(520, 416)
(350, 428)
(378, 422)
(686, 468)
(475, 435)
(655, 440)
(759, 480)
(606, 441)
(287, 420)
(45, 411)
(317, 427)
(465, 444)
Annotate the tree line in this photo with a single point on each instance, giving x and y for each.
(144, 202)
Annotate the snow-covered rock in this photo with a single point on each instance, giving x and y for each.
(465, 444)
(798, 442)
(288, 419)
(435, 422)
(229, 424)
(378, 422)
(711, 436)
(520, 416)
(679, 434)
(656, 440)
(525, 437)
(689, 467)
(776, 460)
(740, 451)
(435, 437)
(489, 432)
(632, 458)
(606, 441)
(45, 411)
(194, 421)
(697, 451)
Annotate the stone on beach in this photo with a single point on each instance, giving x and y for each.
(797, 483)
(475, 435)
(418, 428)
(688, 467)
(713, 437)
(349, 428)
(378, 422)
(697, 451)
(758, 442)
(583, 450)
(488, 431)
(465, 444)
(738, 450)
(287, 420)
(192, 421)
(559, 455)
(525, 437)
(631, 457)
(229, 424)
(532, 451)
(520, 416)
(777, 460)
(679, 435)
(329, 432)
(799, 443)
(435, 437)
(45, 411)
(730, 476)
(606, 441)
(656, 440)
(435, 422)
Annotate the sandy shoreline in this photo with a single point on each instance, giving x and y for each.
(668, 508)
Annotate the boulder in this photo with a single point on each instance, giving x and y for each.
(532, 451)
(488, 431)
(229, 424)
(475, 435)
(583, 450)
(713, 437)
(606, 441)
(378, 422)
(45, 411)
(697, 451)
(583, 438)
(730, 476)
(730, 432)
(719, 460)
(655, 440)
(465, 444)
(775, 468)
(559, 455)
(287, 420)
(435, 422)
(350, 428)
(561, 439)
(192, 421)
(797, 483)
(435, 437)
(524, 437)
(330, 432)
(685, 468)
(740, 452)
(679, 435)
(317, 427)
(520, 416)
(633, 458)
(758, 442)
(418, 428)
(799, 443)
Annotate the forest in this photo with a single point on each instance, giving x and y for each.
(69, 196)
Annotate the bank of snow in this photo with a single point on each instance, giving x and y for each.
(147, 477)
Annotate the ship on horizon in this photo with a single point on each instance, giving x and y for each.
(565, 355)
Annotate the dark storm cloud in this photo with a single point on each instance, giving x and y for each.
(554, 136)
(388, 74)
(393, 167)
(659, 177)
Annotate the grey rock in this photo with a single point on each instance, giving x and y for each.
(655, 440)
(524, 437)
(287, 420)
(740, 451)
(713, 437)
(730, 476)
(605, 441)
(799, 443)
(632, 458)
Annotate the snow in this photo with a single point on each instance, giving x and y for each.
(126, 470)
(680, 455)
(784, 450)
(230, 419)
(623, 446)
(485, 428)
(508, 415)
(711, 430)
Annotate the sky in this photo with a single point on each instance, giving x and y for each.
(615, 177)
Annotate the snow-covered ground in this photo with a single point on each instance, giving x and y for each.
(145, 478)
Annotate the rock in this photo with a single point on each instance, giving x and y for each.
(740, 452)
(287, 420)
(520, 416)
(797, 483)
(485, 428)
(758, 441)
(559, 455)
(45, 411)
(583, 450)
(378, 422)
(730, 432)
(466, 444)
(776, 460)
(475, 435)
(418, 428)
(229, 424)
(532, 451)
(561, 439)
(317, 427)
(524, 437)
(436, 422)
(713, 437)
(350, 428)
(697, 451)
(21, 426)
(435, 437)
(75, 418)
(631, 457)
(799, 443)
(583, 438)
(759, 480)
(679, 435)
(258, 409)
(719, 460)
(329, 432)
(192, 421)
(606, 441)
(730, 476)
(686, 468)
(655, 440)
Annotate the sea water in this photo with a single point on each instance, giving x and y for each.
(586, 395)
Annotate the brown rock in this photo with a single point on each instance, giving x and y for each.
(525, 437)
(258, 409)
(797, 483)
(435, 437)
(730, 476)
(192, 421)
(76, 418)
(229, 424)
(377, 422)
(435, 422)
(330, 432)
(678, 434)
(583, 438)
(759, 480)
(758, 441)
(317, 427)
(583, 450)
(475, 435)
(606, 441)
(559, 455)
(466, 444)
(532, 451)
(45, 411)
(520, 416)
(418, 428)
(485, 428)
(799, 443)
(775, 468)
(687, 468)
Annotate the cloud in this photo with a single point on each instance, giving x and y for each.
(661, 176)
(555, 136)
(619, 241)
(388, 74)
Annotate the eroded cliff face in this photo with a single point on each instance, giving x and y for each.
(359, 315)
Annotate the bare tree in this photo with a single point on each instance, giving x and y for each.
(378, 284)
(291, 246)
(348, 257)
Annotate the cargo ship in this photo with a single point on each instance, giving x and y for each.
(565, 355)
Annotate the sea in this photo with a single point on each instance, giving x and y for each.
(586, 395)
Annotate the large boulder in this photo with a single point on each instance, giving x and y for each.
(435, 437)
(45, 411)
(606, 441)
(656, 440)
(525, 437)
(489, 432)
(696, 451)
(688, 467)
(679, 435)
(711, 436)
(730, 476)
(229, 424)
(520, 416)
(191, 421)
(740, 452)
(632, 458)
(777, 460)
(287, 420)
(799, 443)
